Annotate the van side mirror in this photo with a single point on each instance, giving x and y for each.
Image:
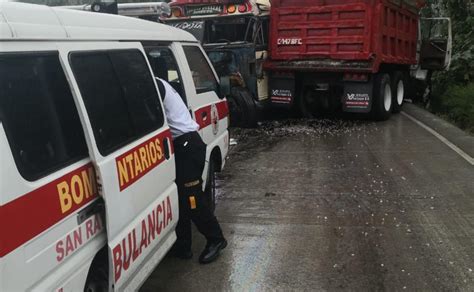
(224, 87)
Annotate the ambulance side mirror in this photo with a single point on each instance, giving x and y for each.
(224, 87)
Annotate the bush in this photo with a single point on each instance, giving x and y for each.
(457, 104)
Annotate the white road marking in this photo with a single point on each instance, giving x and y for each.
(455, 148)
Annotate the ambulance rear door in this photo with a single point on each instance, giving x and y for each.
(130, 144)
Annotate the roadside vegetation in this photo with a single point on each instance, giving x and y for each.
(456, 104)
(453, 91)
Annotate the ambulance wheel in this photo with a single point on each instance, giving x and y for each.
(382, 97)
(98, 277)
(243, 110)
(398, 91)
(210, 189)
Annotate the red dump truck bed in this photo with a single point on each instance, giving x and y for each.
(341, 35)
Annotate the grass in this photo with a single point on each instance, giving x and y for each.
(457, 105)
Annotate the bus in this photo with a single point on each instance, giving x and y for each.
(234, 34)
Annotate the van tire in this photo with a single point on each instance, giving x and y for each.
(382, 97)
(399, 87)
(210, 188)
(243, 110)
(98, 276)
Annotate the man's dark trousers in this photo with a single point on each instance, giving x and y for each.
(190, 157)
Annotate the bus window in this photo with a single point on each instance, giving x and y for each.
(228, 30)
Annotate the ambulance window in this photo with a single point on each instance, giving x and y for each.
(203, 77)
(38, 114)
(165, 67)
(120, 96)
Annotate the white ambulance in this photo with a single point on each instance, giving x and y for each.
(87, 193)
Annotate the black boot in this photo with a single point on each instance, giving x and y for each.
(212, 250)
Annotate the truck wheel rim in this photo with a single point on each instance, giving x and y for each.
(387, 98)
(400, 92)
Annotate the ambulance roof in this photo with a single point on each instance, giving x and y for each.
(21, 21)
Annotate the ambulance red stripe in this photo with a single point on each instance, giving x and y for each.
(205, 120)
(222, 109)
(203, 116)
(135, 163)
(33, 213)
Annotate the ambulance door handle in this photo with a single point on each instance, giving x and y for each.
(166, 146)
(95, 208)
(204, 115)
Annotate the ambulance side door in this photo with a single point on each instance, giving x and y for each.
(50, 223)
(165, 66)
(210, 111)
(130, 145)
(202, 87)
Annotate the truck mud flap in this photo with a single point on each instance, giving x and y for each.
(282, 90)
(357, 97)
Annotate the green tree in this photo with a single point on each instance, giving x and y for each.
(460, 12)
(453, 94)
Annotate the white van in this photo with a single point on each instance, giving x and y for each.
(87, 193)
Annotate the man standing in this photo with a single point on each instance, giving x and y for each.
(190, 157)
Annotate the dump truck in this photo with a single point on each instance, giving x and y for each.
(365, 56)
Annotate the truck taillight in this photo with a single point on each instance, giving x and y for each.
(242, 8)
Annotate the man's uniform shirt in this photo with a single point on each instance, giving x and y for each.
(179, 118)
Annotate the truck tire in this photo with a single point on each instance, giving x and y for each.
(398, 91)
(242, 107)
(382, 97)
(210, 188)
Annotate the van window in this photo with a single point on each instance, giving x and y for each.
(120, 96)
(38, 114)
(164, 66)
(203, 77)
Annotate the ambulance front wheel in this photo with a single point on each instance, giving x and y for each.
(210, 189)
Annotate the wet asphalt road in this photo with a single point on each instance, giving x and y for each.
(340, 205)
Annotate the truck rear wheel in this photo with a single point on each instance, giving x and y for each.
(382, 97)
(243, 110)
(398, 91)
